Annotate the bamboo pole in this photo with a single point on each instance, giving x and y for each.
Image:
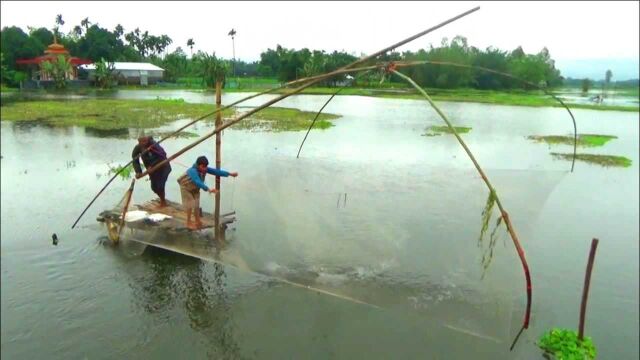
(504, 213)
(585, 290)
(126, 207)
(218, 161)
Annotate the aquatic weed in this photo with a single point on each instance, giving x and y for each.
(563, 344)
(124, 172)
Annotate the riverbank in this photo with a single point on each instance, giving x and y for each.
(512, 98)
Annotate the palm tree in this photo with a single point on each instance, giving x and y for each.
(59, 22)
(232, 33)
(85, 22)
(190, 44)
(77, 30)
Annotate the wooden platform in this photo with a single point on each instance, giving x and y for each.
(177, 222)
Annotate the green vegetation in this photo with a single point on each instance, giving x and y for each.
(110, 114)
(105, 77)
(5, 89)
(632, 92)
(563, 344)
(514, 97)
(188, 70)
(602, 160)
(586, 140)
(106, 113)
(439, 130)
(58, 70)
(487, 212)
(281, 119)
(586, 85)
(89, 40)
(126, 172)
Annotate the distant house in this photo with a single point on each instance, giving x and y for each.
(131, 72)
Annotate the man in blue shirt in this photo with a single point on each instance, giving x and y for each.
(191, 183)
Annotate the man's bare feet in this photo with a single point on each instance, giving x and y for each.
(163, 203)
(199, 224)
(191, 226)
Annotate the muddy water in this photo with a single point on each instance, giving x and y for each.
(404, 238)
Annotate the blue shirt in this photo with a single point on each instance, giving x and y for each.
(194, 175)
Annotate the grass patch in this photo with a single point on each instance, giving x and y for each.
(283, 119)
(110, 117)
(602, 160)
(564, 344)
(586, 140)
(105, 113)
(6, 89)
(439, 130)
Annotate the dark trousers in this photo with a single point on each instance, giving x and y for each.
(159, 179)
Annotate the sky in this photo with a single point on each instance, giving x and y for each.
(585, 38)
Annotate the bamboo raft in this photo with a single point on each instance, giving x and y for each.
(176, 224)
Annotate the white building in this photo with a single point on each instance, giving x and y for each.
(131, 72)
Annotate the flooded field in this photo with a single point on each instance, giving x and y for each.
(372, 210)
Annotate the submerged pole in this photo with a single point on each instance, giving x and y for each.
(585, 290)
(218, 159)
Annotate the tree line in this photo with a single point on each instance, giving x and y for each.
(90, 40)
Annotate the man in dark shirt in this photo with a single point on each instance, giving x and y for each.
(155, 155)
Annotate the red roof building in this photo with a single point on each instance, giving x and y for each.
(51, 54)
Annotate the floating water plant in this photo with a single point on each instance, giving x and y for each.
(439, 130)
(563, 344)
(602, 160)
(283, 119)
(123, 172)
(586, 140)
(119, 114)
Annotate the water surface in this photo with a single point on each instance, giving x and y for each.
(404, 237)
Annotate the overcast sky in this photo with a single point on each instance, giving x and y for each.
(581, 36)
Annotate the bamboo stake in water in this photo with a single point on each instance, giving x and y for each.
(585, 290)
(504, 213)
(218, 160)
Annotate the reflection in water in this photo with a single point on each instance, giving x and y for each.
(174, 281)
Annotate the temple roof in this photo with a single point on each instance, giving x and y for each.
(51, 54)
